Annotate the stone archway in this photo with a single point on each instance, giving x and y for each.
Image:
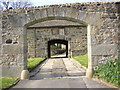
(59, 42)
(16, 22)
(59, 37)
(88, 19)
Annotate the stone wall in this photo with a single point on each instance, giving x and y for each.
(118, 7)
(13, 45)
(0, 43)
(38, 40)
(103, 34)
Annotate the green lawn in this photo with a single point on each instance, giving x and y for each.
(32, 62)
(7, 81)
(82, 59)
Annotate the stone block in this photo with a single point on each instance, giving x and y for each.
(31, 15)
(23, 18)
(107, 49)
(37, 14)
(50, 12)
(15, 20)
(12, 49)
(71, 12)
(25, 74)
(11, 71)
(18, 31)
(81, 15)
(93, 18)
(43, 13)
(59, 11)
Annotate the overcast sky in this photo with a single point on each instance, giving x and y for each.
(50, 2)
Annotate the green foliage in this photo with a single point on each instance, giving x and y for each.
(32, 62)
(109, 71)
(54, 47)
(7, 81)
(82, 59)
(69, 55)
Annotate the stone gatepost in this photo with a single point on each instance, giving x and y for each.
(25, 72)
(13, 45)
(90, 71)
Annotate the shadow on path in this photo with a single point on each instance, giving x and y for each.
(59, 68)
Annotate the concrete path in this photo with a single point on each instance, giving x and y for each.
(59, 67)
(60, 73)
(61, 83)
(59, 55)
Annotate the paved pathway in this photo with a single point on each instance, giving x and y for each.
(60, 73)
(59, 55)
(59, 67)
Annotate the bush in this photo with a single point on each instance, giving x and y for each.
(109, 71)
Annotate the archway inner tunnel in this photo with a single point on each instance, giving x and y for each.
(57, 48)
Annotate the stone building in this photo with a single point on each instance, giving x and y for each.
(92, 28)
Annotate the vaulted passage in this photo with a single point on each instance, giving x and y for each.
(56, 47)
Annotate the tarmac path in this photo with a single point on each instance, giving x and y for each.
(60, 73)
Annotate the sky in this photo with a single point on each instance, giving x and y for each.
(51, 2)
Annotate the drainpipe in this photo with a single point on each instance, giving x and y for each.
(89, 72)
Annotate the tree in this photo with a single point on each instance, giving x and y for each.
(6, 4)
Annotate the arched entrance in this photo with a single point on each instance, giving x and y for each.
(29, 18)
(48, 32)
(60, 51)
(74, 17)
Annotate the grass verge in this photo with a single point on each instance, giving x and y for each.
(32, 62)
(109, 72)
(6, 82)
(82, 59)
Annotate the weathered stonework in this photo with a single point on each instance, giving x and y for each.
(26, 30)
(38, 40)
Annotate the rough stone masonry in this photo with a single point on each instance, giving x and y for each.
(92, 28)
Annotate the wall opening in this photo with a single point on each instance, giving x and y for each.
(57, 48)
(53, 33)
